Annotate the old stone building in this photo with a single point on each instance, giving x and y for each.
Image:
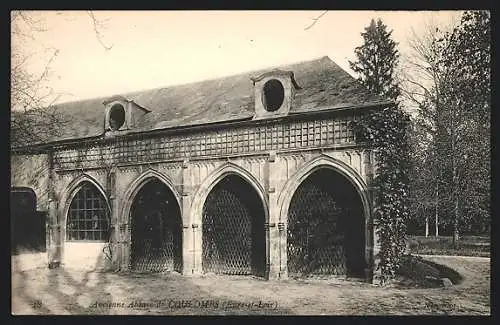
(258, 173)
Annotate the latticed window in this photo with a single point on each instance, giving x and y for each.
(88, 216)
(233, 229)
(325, 233)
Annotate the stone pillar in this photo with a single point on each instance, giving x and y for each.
(191, 227)
(124, 232)
(376, 259)
(196, 236)
(55, 242)
(54, 249)
(187, 249)
(196, 242)
(190, 249)
(115, 241)
(283, 249)
(272, 233)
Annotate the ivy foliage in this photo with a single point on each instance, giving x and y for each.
(386, 132)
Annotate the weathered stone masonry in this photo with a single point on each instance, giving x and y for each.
(274, 152)
(273, 158)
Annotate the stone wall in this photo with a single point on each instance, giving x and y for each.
(32, 171)
(273, 158)
(273, 176)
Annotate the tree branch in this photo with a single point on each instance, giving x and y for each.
(315, 20)
(97, 24)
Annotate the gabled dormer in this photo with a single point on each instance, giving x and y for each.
(121, 115)
(274, 93)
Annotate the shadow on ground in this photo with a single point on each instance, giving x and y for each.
(89, 292)
(39, 290)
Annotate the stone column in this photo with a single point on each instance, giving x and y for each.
(191, 238)
(187, 249)
(272, 231)
(195, 233)
(124, 231)
(54, 249)
(376, 259)
(283, 249)
(115, 241)
(197, 240)
(190, 249)
(55, 242)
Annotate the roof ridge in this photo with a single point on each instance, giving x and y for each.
(324, 84)
(255, 71)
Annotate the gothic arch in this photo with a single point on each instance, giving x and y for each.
(140, 255)
(214, 178)
(67, 196)
(136, 186)
(260, 254)
(325, 161)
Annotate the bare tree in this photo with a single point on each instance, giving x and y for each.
(422, 81)
(447, 78)
(34, 117)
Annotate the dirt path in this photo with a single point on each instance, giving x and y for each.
(38, 290)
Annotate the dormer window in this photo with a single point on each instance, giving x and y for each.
(273, 95)
(121, 115)
(116, 117)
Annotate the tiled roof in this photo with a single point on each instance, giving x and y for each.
(324, 85)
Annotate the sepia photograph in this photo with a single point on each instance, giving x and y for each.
(313, 162)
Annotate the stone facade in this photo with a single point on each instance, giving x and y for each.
(275, 174)
(273, 154)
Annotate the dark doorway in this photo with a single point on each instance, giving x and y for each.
(156, 230)
(27, 224)
(233, 229)
(326, 227)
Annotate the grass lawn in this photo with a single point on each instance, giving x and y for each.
(443, 245)
(38, 290)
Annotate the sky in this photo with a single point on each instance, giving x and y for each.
(151, 49)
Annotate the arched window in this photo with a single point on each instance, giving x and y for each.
(88, 215)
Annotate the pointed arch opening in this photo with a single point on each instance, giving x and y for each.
(156, 229)
(326, 227)
(234, 237)
(88, 217)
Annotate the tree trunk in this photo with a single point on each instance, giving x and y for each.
(437, 210)
(454, 177)
(426, 226)
(456, 234)
(437, 223)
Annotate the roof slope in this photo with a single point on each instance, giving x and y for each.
(324, 86)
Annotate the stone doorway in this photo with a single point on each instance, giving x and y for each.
(326, 227)
(234, 236)
(156, 232)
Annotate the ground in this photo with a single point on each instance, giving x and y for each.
(39, 290)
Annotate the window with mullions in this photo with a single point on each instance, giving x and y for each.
(88, 216)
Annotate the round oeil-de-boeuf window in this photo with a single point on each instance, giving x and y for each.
(116, 117)
(273, 95)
